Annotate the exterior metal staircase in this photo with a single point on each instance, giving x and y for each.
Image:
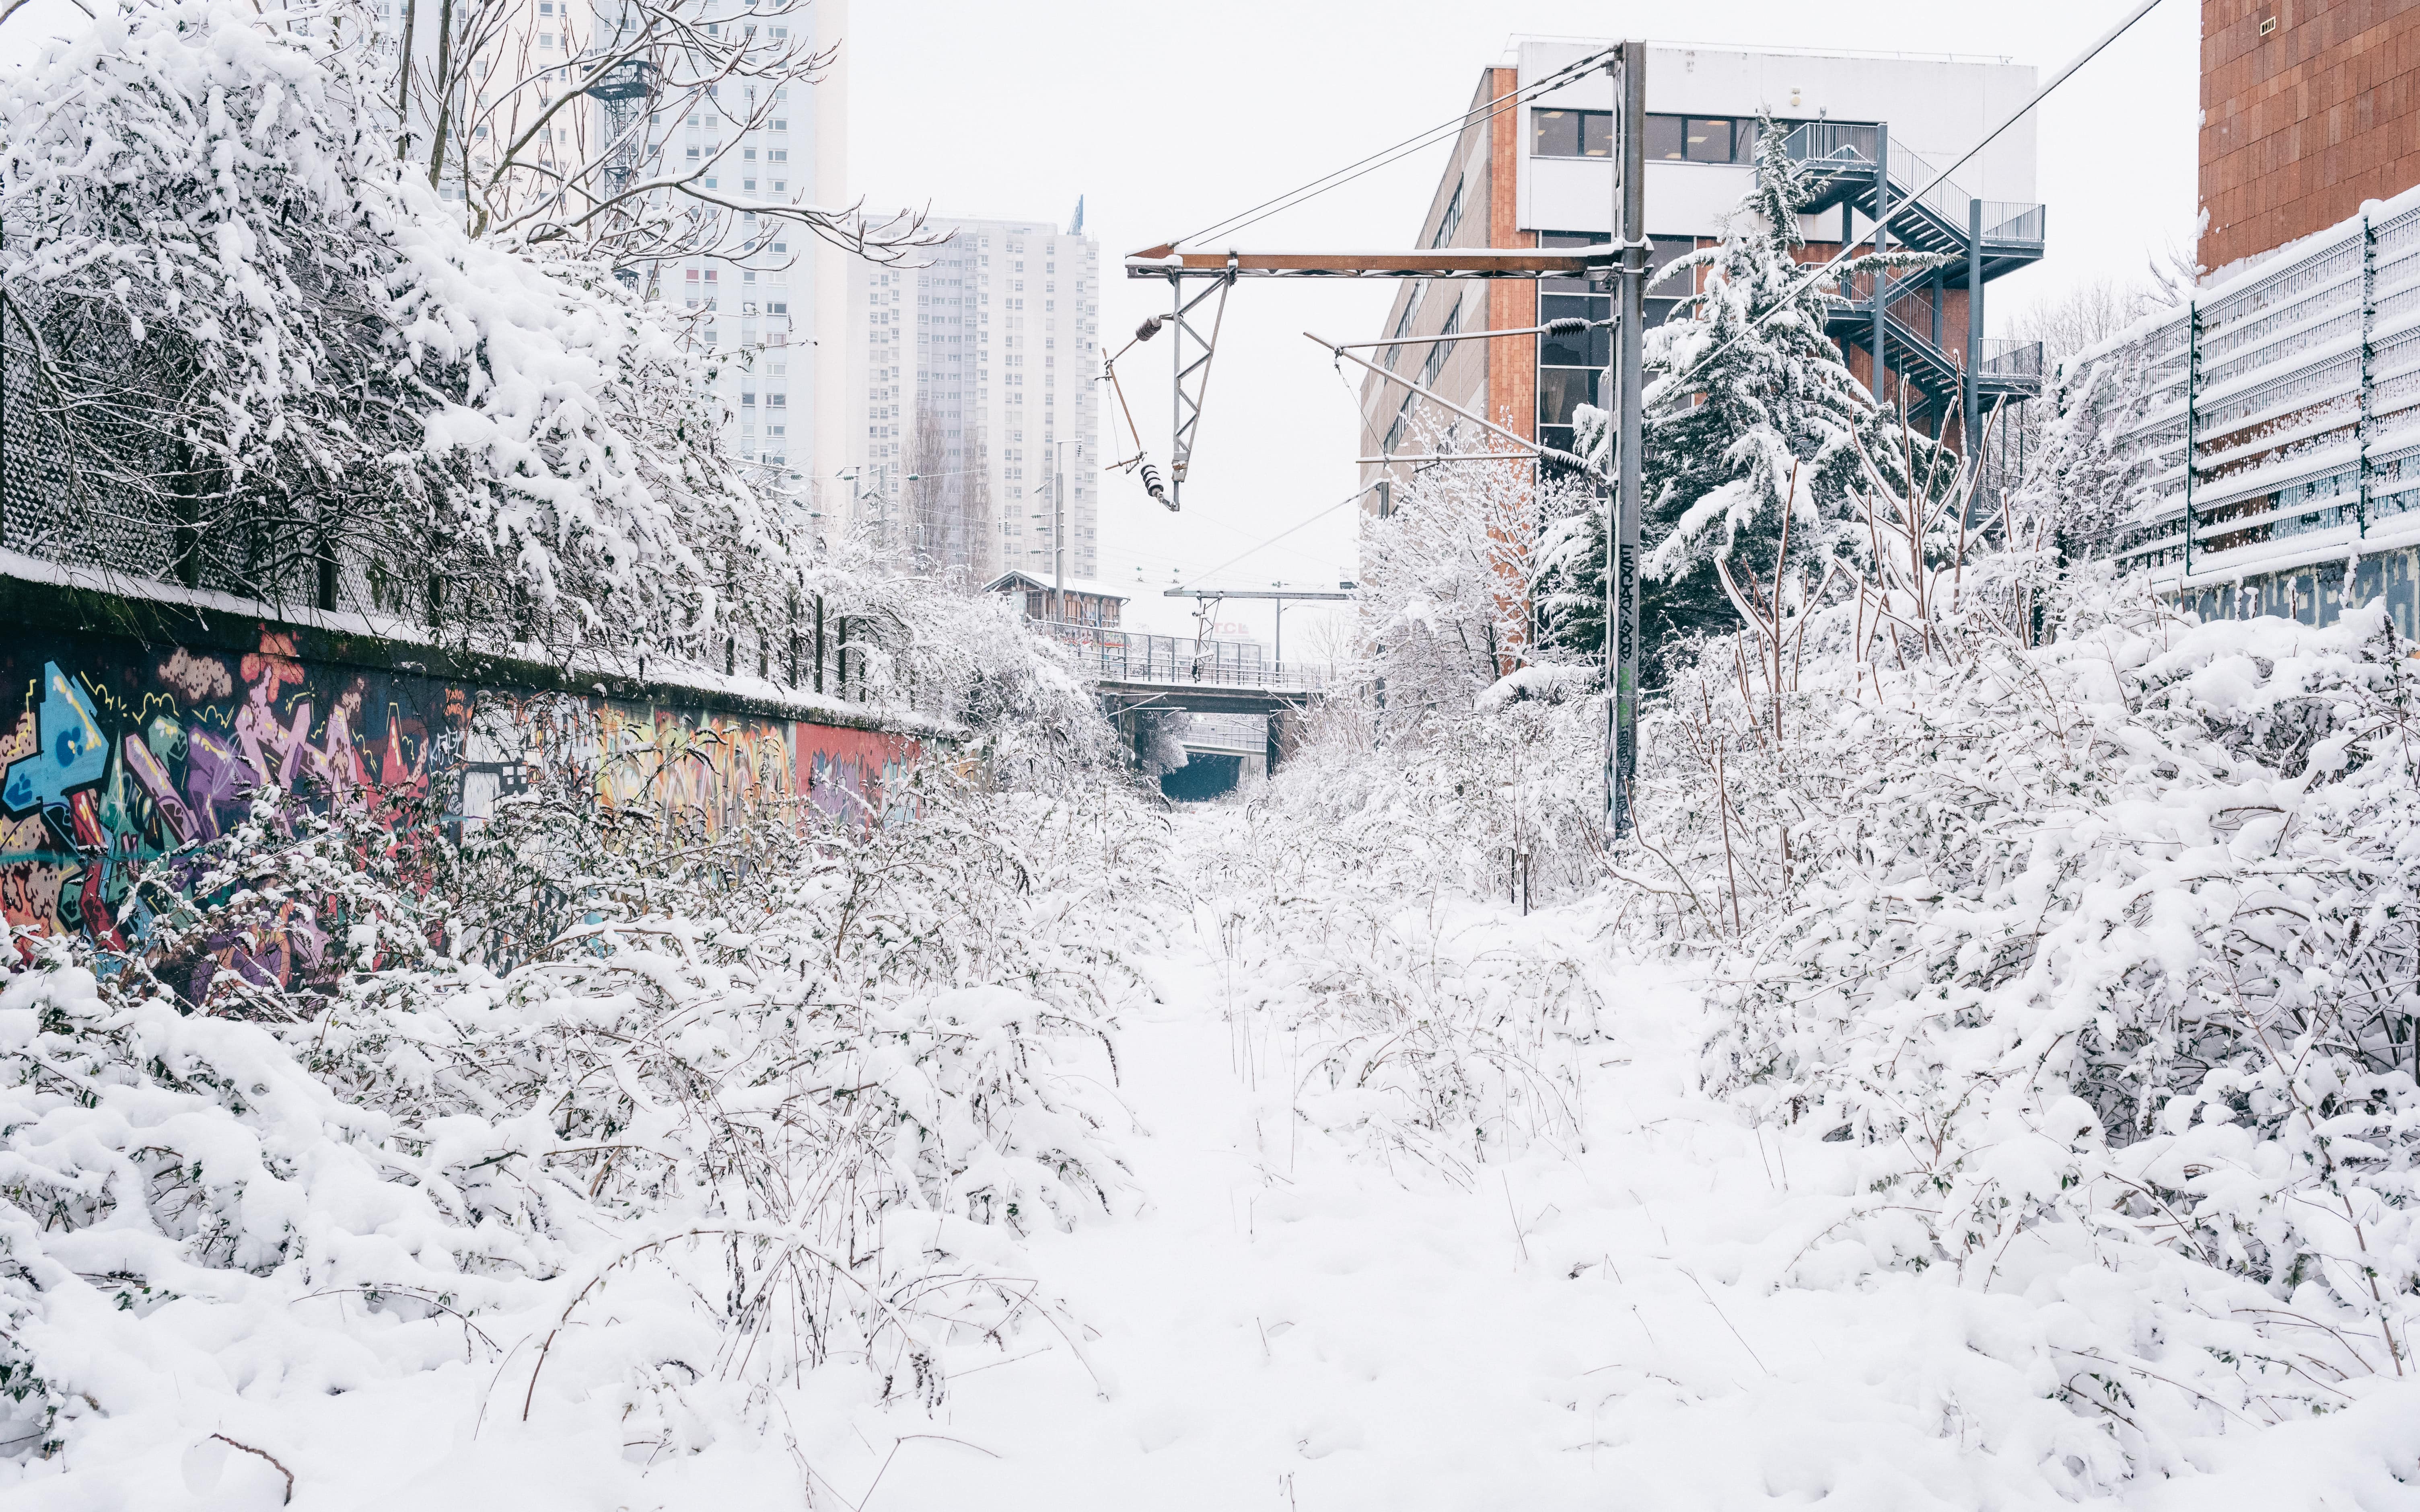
(1846, 171)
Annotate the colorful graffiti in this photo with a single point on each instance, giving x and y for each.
(121, 754)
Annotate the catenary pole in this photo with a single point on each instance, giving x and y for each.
(1621, 616)
(1881, 275)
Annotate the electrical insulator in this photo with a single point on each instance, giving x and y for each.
(1151, 486)
(1149, 328)
(1570, 325)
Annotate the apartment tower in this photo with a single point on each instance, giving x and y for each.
(971, 388)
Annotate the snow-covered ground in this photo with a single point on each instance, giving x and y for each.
(1604, 1325)
(1648, 1304)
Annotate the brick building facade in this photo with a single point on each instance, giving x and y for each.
(2309, 107)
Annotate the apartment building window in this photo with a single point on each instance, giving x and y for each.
(1441, 351)
(1701, 139)
(1450, 220)
(1571, 134)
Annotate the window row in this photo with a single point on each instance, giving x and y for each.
(1589, 133)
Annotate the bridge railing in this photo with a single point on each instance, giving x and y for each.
(1106, 652)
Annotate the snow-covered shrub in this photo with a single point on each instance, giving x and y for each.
(1353, 903)
(1448, 582)
(2099, 949)
(651, 1176)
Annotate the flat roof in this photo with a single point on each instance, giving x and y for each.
(1074, 585)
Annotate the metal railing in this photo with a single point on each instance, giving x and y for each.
(1105, 653)
(1832, 144)
(2009, 362)
(1845, 150)
(2014, 221)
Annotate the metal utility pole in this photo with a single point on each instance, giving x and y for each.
(1971, 423)
(1622, 610)
(1881, 275)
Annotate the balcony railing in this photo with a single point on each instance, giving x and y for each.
(2008, 360)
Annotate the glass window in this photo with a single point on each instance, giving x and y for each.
(1710, 140)
(1555, 134)
(1571, 134)
(1701, 139)
(1563, 389)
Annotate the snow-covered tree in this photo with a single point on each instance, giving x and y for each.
(501, 108)
(2082, 481)
(1751, 414)
(263, 354)
(1449, 585)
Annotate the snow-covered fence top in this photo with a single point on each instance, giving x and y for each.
(143, 724)
(2273, 420)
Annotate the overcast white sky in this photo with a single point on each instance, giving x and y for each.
(1167, 117)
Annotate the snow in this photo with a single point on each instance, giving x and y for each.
(1985, 1084)
(1318, 1293)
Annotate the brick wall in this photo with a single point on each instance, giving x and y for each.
(1511, 395)
(2301, 126)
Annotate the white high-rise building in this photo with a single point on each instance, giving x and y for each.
(761, 312)
(786, 389)
(971, 386)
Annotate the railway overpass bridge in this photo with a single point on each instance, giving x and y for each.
(1133, 673)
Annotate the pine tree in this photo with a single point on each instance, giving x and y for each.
(1747, 399)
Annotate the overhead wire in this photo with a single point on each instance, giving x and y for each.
(1354, 498)
(1460, 123)
(1386, 154)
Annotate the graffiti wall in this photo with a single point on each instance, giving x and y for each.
(114, 753)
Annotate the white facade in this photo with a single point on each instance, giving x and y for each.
(785, 387)
(1937, 108)
(993, 344)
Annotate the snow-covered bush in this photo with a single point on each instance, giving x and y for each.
(1356, 907)
(1449, 583)
(803, 1128)
(258, 344)
(2098, 948)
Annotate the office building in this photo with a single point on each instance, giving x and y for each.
(2309, 107)
(1541, 174)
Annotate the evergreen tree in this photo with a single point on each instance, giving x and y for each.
(1744, 393)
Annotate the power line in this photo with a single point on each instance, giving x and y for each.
(1281, 535)
(1389, 154)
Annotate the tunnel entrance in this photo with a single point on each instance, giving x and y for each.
(1203, 776)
